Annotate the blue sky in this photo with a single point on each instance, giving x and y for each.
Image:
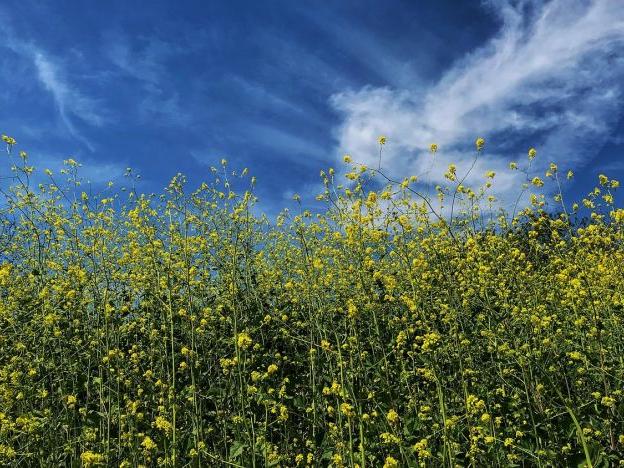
(286, 88)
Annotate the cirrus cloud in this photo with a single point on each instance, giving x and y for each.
(551, 77)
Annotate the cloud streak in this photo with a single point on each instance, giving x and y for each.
(147, 62)
(551, 77)
(70, 103)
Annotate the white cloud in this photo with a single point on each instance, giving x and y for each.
(144, 58)
(70, 102)
(551, 77)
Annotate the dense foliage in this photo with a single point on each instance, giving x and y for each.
(385, 330)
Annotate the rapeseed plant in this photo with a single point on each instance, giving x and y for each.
(181, 329)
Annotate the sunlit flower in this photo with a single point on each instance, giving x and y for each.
(392, 416)
(9, 140)
(243, 340)
(390, 462)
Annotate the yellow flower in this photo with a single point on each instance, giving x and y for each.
(162, 424)
(346, 158)
(347, 410)
(390, 462)
(351, 309)
(575, 355)
(243, 340)
(532, 153)
(401, 339)
(388, 438)
(479, 143)
(382, 140)
(392, 417)
(91, 459)
(433, 147)
(148, 444)
(5, 273)
(608, 401)
(9, 140)
(272, 369)
(451, 173)
(420, 448)
(283, 413)
(537, 182)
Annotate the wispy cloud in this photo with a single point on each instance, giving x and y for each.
(371, 54)
(265, 99)
(146, 59)
(552, 77)
(273, 138)
(71, 104)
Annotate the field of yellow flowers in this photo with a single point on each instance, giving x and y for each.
(183, 329)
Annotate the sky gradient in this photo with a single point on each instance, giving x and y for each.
(286, 88)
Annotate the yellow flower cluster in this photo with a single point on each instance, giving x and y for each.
(9, 140)
(393, 327)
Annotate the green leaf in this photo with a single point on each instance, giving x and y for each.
(236, 450)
